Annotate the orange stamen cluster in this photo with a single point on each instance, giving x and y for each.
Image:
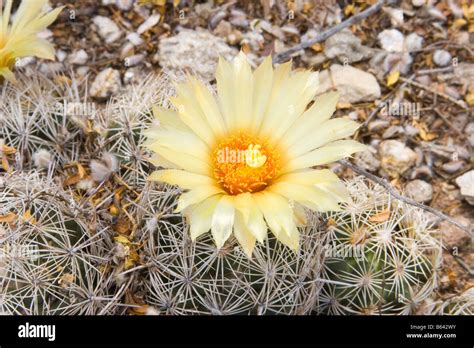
(243, 163)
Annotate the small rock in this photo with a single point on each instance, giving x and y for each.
(413, 42)
(367, 160)
(470, 133)
(419, 190)
(149, 23)
(396, 157)
(411, 131)
(418, 3)
(108, 30)
(466, 184)
(223, 29)
(135, 39)
(106, 84)
(79, 57)
(441, 57)
(454, 239)
(124, 5)
(452, 167)
(198, 51)
(355, 85)
(377, 125)
(134, 60)
(396, 16)
(464, 73)
(391, 40)
(346, 47)
(60, 55)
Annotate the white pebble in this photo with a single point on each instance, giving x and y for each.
(441, 57)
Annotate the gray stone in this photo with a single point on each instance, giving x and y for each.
(466, 184)
(396, 157)
(441, 57)
(419, 190)
(346, 47)
(107, 29)
(355, 85)
(197, 51)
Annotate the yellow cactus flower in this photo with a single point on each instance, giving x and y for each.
(19, 39)
(246, 158)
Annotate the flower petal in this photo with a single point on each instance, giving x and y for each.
(279, 217)
(235, 91)
(262, 80)
(309, 196)
(326, 154)
(327, 132)
(322, 109)
(252, 215)
(288, 105)
(169, 119)
(196, 195)
(200, 216)
(243, 235)
(223, 220)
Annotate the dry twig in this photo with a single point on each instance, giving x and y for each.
(282, 56)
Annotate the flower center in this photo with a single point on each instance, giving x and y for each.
(244, 163)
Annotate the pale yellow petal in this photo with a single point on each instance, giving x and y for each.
(181, 178)
(309, 177)
(184, 161)
(326, 154)
(289, 104)
(243, 235)
(252, 215)
(200, 216)
(327, 132)
(235, 91)
(309, 196)
(262, 80)
(159, 161)
(188, 111)
(169, 119)
(7, 74)
(208, 107)
(197, 195)
(276, 210)
(322, 109)
(179, 141)
(223, 220)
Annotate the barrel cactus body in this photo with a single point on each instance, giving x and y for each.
(53, 260)
(381, 256)
(186, 277)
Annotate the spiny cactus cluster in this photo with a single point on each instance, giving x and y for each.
(106, 241)
(186, 277)
(54, 261)
(381, 256)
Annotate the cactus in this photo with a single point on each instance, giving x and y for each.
(462, 304)
(128, 116)
(53, 261)
(185, 277)
(35, 115)
(381, 256)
